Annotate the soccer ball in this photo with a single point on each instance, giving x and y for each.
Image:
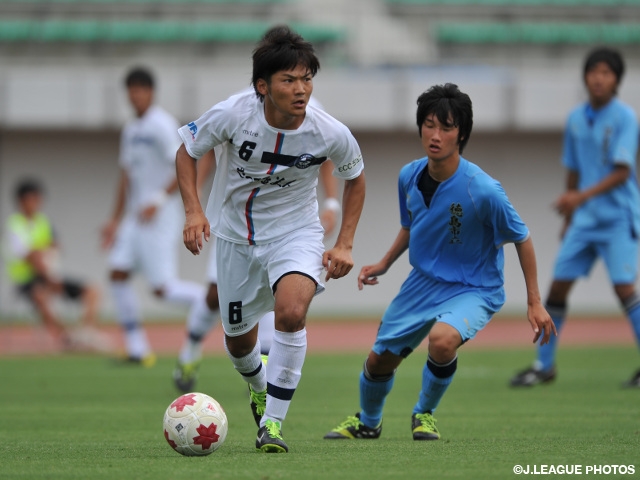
(195, 424)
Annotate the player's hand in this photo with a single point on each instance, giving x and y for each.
(108, 234)
(541, 323)
(148, 213)
(337, 262)
(568, 202)
(196, 226)
(328, 219)
(369, 274)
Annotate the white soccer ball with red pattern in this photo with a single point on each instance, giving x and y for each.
(195, 424)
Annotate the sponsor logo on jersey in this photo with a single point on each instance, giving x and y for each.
(304, 161)
(455, 225)
(301, 161)
(351, 165)
(193, 128)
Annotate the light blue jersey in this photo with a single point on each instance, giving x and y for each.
(455, 248)
(608, 224)
(594, 142)
(459, 237)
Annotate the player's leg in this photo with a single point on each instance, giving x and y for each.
(244, 297)
(621, 259)
(40, 297)
(630, 301)
(575, 259)
(122, 261)
(289, 345)
(437, 375)
(295, 267)
(376, 382)
(128, 314)
(89, 297)
(462, 317)
(404, 325)
(198, 326)
(266, 331)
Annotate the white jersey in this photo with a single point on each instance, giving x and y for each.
(265, 182)
(148, 148)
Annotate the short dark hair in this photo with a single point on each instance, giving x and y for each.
(606, 55)
(450, 106)
(139, 76)
(281, 49)
(28, 186)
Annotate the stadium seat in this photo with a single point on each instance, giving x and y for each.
(152, 31)
(536, 33)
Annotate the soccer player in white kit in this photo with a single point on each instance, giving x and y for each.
(143, 230)
(190, 356)
(264, 213)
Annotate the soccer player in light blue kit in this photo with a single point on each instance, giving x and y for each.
(455, 219)
(600, 206)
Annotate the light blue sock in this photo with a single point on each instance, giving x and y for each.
(547, 353)
(373, 392)
(436, 378)
(632, 308)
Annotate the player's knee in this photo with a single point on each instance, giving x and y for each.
(443, 345)
(290, 317)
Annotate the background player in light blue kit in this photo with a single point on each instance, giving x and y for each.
(601, 204)
(455, 219)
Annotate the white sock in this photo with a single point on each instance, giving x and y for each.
(200, 322)
(283, 372)
(250, 367)
(128, 315)
(266, 329)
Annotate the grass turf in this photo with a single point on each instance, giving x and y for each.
(84, 417)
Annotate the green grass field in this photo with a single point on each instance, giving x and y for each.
(85, 418)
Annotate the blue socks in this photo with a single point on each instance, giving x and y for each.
(373, 392)
(436, 378)
(632, 308)
(547, 353)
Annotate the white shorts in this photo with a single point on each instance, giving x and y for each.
(249, 272)
(150, 248)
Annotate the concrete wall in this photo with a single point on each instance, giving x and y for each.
(79, 169)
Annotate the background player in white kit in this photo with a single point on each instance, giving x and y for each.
(264, 214)
(143, 230)
(186, 371)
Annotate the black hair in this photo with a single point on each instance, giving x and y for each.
(450, 106)
(28, 186)
(607, 55)
(281, 49)
(139, 76)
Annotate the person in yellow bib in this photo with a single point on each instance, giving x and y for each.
(31, 252)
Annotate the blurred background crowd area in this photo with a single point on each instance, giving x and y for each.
(63, 103)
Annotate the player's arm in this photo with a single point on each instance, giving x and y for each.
(369, 273)
(338, 261)
(573, 198)
(204, 167)
(331, 205)
(537, 315)
(159, 199)
(196, 224)
(109, 229)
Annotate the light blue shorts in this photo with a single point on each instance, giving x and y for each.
(579, 251)
(423, 301)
